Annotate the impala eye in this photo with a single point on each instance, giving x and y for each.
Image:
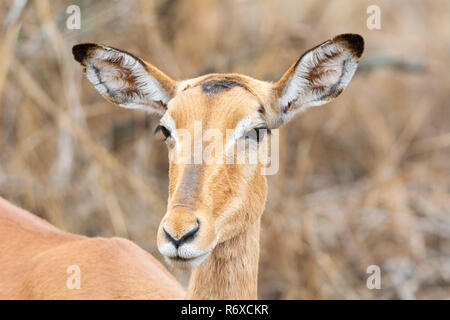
(257, 134)
(161, 130)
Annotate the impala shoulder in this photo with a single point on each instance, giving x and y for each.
(109, 268)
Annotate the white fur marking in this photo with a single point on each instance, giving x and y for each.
(239, 131)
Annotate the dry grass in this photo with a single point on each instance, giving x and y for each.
(362, 181)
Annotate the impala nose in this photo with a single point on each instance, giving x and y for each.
(182, 238)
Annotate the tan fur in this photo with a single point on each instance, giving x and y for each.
(231, 272)
(34, 257)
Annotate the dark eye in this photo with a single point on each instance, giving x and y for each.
(164, 131)
(257, 134)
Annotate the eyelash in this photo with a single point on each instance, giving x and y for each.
(259, 137)
(164, 131)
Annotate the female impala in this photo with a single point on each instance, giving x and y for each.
(212, 223)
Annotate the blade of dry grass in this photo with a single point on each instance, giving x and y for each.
(7, 52)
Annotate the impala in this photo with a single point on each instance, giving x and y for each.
(35, 258)
(212, 222)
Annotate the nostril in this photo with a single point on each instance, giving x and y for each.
(188, 236)
(170, 238)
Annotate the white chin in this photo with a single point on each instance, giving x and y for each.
(186, 264)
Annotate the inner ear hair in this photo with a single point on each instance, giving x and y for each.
(320, 74)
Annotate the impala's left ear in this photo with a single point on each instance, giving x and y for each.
(125, 79)
(319, 76)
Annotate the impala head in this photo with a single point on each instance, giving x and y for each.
(213, 201)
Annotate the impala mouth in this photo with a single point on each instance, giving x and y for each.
(186, 253)
(187, 263)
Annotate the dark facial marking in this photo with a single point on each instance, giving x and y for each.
(213, 87)
(189, 185)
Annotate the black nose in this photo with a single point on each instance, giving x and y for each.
(186, 237)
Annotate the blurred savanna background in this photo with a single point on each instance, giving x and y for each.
(364, 180)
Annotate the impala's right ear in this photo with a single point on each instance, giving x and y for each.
(319, 76)
(125, 79)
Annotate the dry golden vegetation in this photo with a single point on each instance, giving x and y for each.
(364, 180)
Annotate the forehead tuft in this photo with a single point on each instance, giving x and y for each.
(212, 87)
(219, 100)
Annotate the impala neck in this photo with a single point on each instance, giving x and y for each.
(231, 272)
